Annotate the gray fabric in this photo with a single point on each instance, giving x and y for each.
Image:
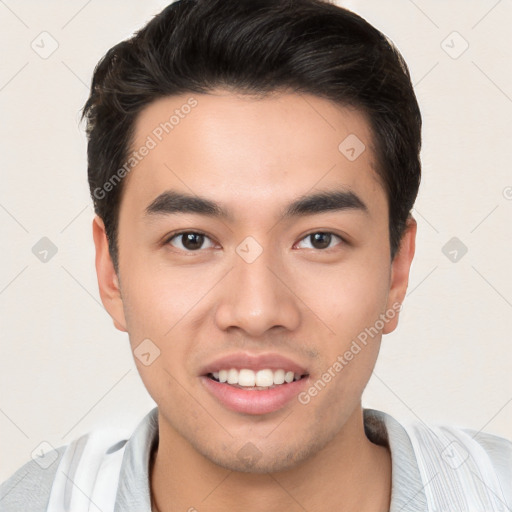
(29, 488)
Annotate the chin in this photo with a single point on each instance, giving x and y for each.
(270, 459)
(261, 465)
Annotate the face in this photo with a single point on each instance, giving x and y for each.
(278, 259)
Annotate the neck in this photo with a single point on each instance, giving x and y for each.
(349, 474)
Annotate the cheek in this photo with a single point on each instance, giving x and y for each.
(153, 311)
(349, 301)
(347, 298)
(159, 303)
(156, 297)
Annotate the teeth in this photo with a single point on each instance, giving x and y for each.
(262, 378)
(233, 376)
(279, 377)
(246, 378)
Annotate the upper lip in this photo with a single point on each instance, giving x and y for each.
(253, 362)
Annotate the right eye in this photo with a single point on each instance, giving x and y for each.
(188, 241)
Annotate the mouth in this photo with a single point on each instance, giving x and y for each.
(254, 383)
(254, 392)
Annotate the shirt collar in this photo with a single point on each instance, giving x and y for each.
(407, 488)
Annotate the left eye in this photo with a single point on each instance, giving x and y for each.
(190, 240)
(321, 240)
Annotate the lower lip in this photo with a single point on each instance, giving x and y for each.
(252, 401)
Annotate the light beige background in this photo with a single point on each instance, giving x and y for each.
(64, 368)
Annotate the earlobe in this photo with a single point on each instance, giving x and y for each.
(108, 282)
(400, 268)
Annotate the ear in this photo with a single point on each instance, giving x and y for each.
(108, 281)
(400, 267)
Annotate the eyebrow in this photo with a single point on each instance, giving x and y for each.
(171, 202)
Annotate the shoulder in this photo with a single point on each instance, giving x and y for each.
(457, 445)
(44, 481)
(92, 462)
(496, 449)
(30, 486)
(434, 465)
(455, 458)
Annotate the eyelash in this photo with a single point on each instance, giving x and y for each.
(179, 233)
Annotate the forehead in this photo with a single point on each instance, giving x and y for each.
(250, 152)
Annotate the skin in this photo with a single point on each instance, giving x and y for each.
(254, 156)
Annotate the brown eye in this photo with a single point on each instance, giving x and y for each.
(321, 240)
(190, 240)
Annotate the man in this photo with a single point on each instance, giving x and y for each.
(253, 166)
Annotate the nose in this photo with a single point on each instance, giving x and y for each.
(257, 296)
